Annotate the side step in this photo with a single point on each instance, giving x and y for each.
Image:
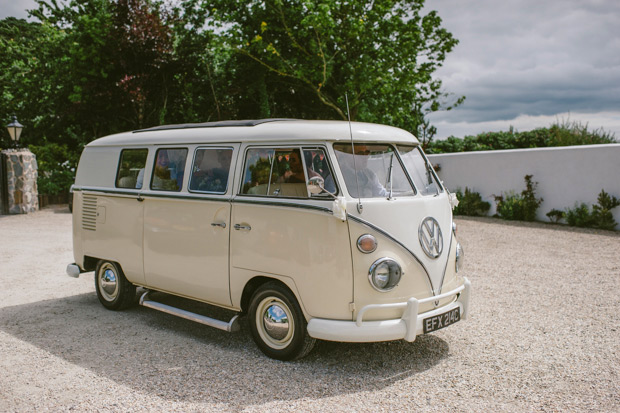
(231, 326)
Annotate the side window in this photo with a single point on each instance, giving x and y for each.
(210, 170)
(275, 173)
(130, 172)
(169, 170)
(317, 165)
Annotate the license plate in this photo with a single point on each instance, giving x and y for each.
(437, 322)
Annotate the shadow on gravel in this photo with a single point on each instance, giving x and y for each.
(179, 360)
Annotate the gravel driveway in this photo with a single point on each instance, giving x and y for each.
(544, 335)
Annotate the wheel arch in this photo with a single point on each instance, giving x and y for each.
(256, 282)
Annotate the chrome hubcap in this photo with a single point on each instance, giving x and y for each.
(108, 282)
(275, 322)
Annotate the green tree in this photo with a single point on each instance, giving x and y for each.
(116, 67)
(28, 52)
(381, 53)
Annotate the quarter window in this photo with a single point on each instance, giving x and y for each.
(210, 170)
(169, 170)
(130, 172)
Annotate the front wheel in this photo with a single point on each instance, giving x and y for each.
(113, 289)
(277, 323)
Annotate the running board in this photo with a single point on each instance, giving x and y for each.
(231, 326)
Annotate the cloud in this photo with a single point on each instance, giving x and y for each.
(16, 8)
(608, 122)
(524, 61)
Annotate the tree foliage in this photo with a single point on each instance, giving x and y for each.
(381, 53)
(88, 68)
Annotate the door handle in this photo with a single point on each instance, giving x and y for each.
(244, 227)
(218, 224)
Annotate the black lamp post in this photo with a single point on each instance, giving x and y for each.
(15, 130)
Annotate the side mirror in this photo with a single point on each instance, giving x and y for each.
(316, 185)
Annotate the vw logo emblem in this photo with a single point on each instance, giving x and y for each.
(430, 236)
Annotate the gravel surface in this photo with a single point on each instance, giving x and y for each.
(544, 335)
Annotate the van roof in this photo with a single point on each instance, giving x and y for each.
(284, 130)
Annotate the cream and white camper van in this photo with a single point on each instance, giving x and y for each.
(313, 229)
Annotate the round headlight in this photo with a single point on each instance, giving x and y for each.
(384, 274)
(367, 243)
(460, 255)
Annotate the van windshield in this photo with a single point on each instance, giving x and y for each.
(374, 168)
(420, 170)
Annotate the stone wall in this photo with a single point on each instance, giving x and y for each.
(18, 178)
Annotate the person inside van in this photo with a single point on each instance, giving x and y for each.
(296, 172)
(169, 168)
(367, 180)
(210, 175)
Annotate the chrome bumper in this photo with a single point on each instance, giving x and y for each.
(407, 327)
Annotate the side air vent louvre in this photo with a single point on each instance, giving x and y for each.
(89, 212)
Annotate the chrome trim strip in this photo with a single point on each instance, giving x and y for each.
(199, 197)
(149, 194)
(381, 231)
(281, 204)
(189, 197)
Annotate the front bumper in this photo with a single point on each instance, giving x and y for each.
(407, 327)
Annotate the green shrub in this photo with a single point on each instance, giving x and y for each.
(600, 217)
(471, 204)
(579, 216)
(601, 212)
(561, 133)
(56, 168)
(555, 215)
(519, 207)
(510, 207)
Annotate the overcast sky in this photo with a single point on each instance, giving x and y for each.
(525, 63)
(528, 63)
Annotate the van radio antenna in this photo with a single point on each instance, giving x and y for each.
(360, 207)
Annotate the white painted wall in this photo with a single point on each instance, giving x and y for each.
(565, 175)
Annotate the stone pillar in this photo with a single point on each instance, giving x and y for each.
(18, 182)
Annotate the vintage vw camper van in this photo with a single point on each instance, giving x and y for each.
(312, 229)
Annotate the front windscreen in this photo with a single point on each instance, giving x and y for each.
(419, 170)
(372, 170)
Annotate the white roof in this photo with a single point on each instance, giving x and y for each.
(285, 130)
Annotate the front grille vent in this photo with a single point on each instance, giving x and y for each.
(89, 212)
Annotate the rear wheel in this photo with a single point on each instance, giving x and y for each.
(277, 323)
(113, 289)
